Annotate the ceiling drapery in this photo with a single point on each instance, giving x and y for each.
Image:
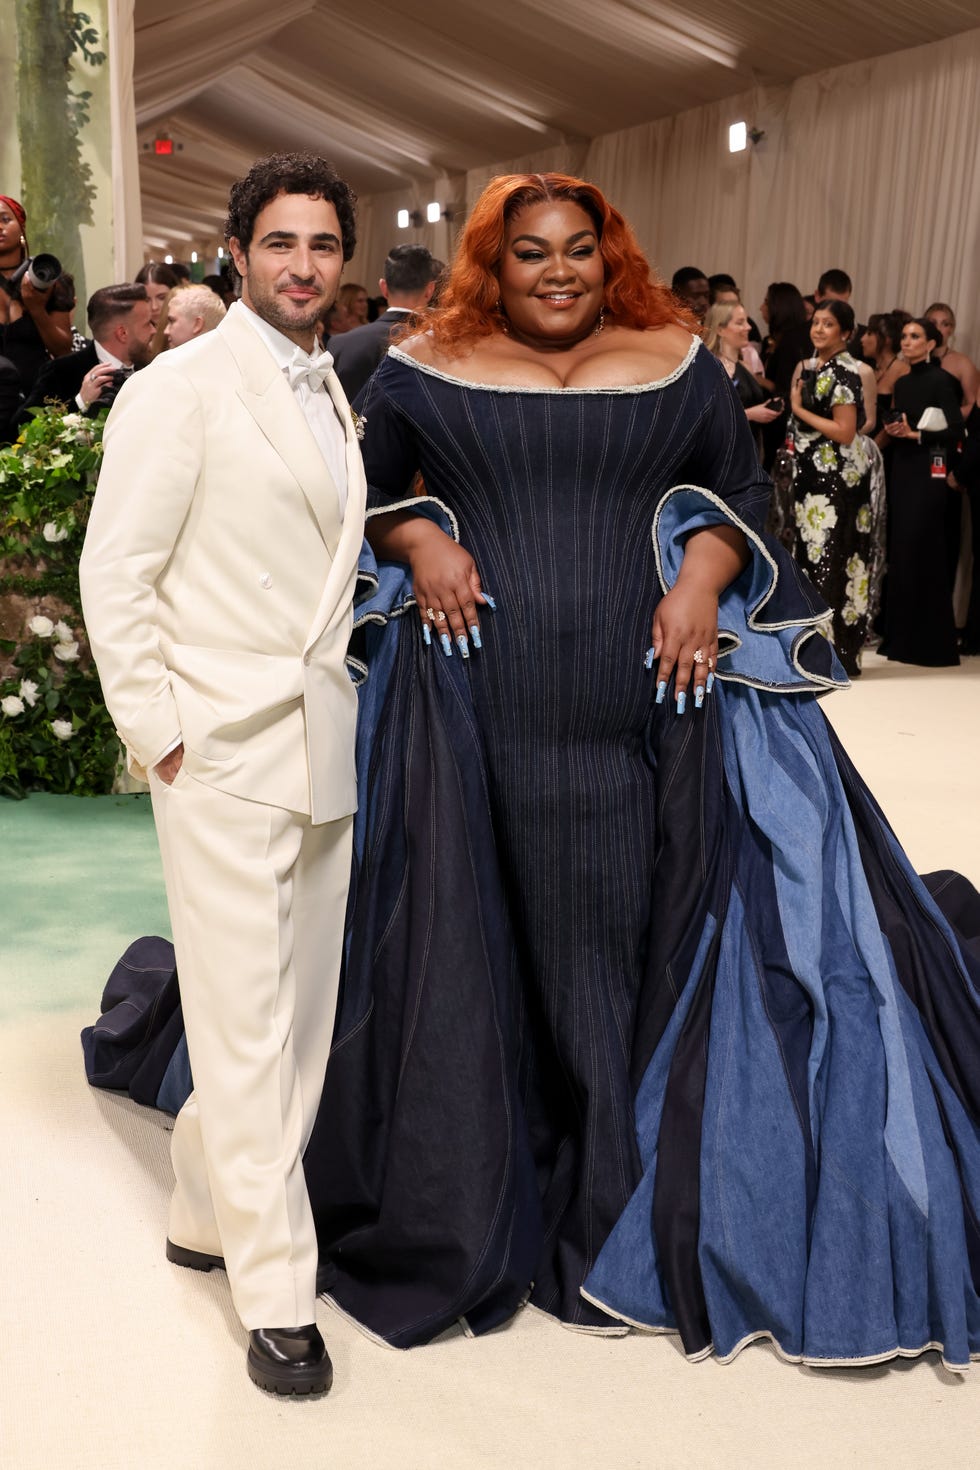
(399, 95)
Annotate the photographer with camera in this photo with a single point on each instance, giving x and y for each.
(35, 301)
(120, 321)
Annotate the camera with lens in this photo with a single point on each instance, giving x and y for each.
(808, 384)
(108, 395)
(41, 270)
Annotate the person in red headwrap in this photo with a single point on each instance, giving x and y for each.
(34, 325)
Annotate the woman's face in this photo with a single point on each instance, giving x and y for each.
(916, 345)
(157, 294)
(10, 231)
(551, 274)
(735, 334)
(359, 307)
(826, 333)
(764, 311)
(944, 322)
(870, 345)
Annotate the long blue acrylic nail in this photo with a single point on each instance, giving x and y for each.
(661, 691)
(462, 643)
(489, 602)
(681, 702)
(447, 646)
(475, 635)
(649, 657)
(426, 634)
(710, 683)
(699, 696)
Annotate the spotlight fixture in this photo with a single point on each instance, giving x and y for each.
(740, 135)
(168, 260)
(433, 212)
(411, 217)
(193, 257)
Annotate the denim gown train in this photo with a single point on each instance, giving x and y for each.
(645, 1017)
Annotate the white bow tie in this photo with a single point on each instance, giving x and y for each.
(310, 370)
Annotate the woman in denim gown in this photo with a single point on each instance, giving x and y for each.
(646, 1017)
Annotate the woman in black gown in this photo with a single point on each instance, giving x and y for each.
(919, 625)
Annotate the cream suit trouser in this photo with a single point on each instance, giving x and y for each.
(257, 899)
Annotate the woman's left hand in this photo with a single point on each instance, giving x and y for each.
(684, 626)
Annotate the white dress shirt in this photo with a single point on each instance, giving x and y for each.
(317, 406)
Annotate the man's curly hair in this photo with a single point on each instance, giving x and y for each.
(289, 173)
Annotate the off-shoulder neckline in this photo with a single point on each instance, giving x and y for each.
(655, 385)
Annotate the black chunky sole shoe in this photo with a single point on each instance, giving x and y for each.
(289, 1360)
(196, 1260)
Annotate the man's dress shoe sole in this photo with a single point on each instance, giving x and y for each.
(196, 1260)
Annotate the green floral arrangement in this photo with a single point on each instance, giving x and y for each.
(55, 732)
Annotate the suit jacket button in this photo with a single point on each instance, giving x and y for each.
(307, 658)
(265, 580)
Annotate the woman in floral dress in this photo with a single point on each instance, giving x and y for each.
(832, 489)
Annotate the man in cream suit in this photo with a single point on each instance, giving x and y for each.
(217, 580)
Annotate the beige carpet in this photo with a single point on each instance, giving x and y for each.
(111, 1358)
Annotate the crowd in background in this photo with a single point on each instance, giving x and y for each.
(869, 428)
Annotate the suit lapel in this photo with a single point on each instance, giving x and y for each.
(335, 599)
(269, 399)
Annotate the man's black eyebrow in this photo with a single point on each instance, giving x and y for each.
(292, 235)
(537, 240)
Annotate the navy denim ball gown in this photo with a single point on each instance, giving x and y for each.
(646, 1018)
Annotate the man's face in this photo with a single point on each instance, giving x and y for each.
(292, 269)
(135, 335)
(697, 294)
(181, 325)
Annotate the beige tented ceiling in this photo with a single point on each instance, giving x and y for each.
(400, 94)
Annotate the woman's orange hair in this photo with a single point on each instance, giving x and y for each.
(469, 302)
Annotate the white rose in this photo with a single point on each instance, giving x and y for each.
(73, 420)
(67, 652)
(28, 692)
(12, 705)
(41, 627)
(63, 633)
(63, 729)
(51, 532)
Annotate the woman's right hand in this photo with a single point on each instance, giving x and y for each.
(448, 592)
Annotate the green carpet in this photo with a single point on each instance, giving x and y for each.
(79, 879)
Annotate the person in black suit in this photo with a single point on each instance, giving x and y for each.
(119, 319)
(408, 282)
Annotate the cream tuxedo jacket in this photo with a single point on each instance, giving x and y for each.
(217, 578)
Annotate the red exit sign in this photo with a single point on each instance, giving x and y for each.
(163, 145)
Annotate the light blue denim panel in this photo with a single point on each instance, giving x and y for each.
(951, 1312)
(817, 900)
(626, 1276)
(753, 1234)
